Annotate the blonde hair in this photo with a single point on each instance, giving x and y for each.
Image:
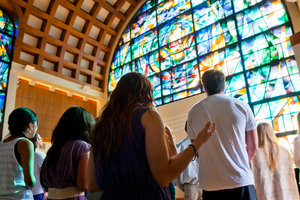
(267, 141)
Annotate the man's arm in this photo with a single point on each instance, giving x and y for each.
(251, 143)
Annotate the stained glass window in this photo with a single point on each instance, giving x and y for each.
(8, 32)
(173, 42)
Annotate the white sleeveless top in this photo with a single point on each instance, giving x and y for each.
(12, 184)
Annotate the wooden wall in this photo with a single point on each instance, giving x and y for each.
(49, 106)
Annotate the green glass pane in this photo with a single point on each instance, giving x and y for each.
(144, 44)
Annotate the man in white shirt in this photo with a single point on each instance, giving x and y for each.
(224, 160)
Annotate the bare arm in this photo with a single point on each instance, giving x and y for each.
(164, 168)
(82, 182)
(91, 174)
(26, 151)
(251, 143)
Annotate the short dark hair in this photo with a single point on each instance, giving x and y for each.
(213, 81)
(19, 119)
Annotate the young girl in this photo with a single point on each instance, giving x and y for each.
(64, 171)
(272, 167)
(17, 156)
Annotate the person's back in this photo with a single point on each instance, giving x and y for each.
(12, 184)
(272, 167)
(17, 156)
(274, 185)
(130, 158)
(223, 160)
(188, 179)
(127, 174)
(65, 172)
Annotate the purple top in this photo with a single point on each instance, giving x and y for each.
(65, 172)
(126, 175)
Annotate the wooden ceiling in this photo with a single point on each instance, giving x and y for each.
(71, 39)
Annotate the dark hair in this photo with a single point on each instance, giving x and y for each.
(34, 140)
(132, 91)
(213, 81)
(19, 120)
(75, 124)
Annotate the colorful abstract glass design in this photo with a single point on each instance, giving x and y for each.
(6, 25)
(7, 37)
(173, 42)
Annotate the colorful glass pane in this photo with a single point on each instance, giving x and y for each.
(216, 36)
(272, 81)
(8, 32)
(178, 52)
(171, 8)
(258, 19)
(176, 29)
(144, 23)
(148, 64)
(236, 87)
(241, 5)
(6, 25)
(173, 42)
(155, 80)
(228, 61)
(122, 56)
(4, 68)
(209, 13)
(267, 47)
(5, 47)
(125, 37)
(183, 77)
(148, 4)
(282, 113)
(144, 44)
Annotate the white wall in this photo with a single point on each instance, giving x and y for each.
(175, 114)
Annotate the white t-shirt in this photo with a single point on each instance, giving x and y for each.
(223, 159)
(39, 158)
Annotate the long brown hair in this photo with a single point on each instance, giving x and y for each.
(133, 90)
(267, 141)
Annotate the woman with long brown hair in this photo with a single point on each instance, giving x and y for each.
(129, 158)
(272, 168)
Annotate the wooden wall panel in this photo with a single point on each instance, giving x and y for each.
(49, 106)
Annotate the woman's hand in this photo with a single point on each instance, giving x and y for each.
(204, 135)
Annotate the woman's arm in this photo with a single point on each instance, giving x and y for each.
(164, 168)
(82, 172)
(91, 174)
(26, 151)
